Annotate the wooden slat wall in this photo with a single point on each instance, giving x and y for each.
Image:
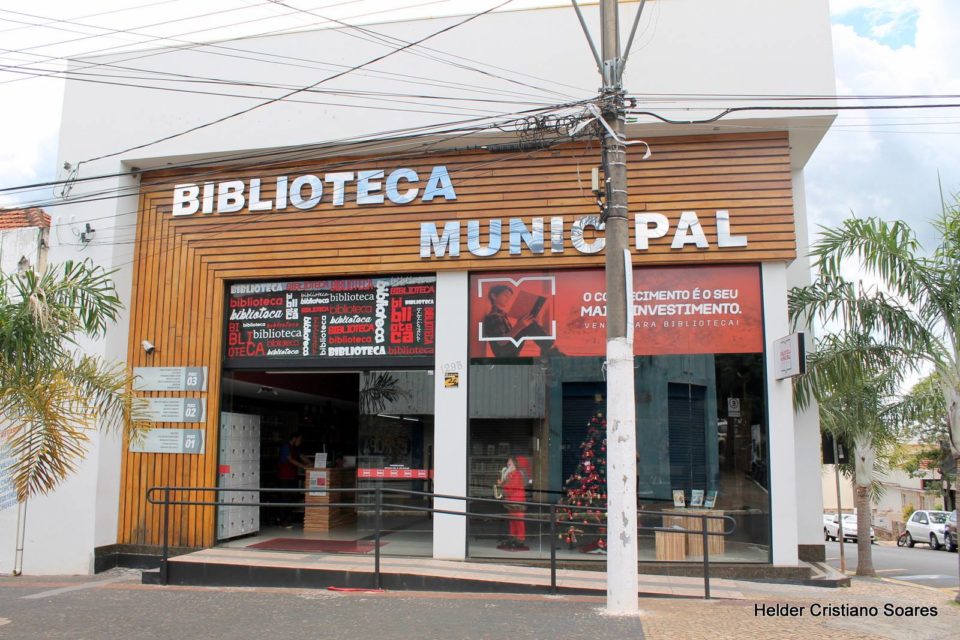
(182, 264)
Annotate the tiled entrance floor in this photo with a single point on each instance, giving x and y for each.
(445, 569)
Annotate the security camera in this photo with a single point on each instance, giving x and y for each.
(148, 346)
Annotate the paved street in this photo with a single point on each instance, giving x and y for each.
(920, 565)
(115, 605)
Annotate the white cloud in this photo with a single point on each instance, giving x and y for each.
(885, 163)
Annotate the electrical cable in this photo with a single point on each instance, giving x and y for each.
(415, 153)
(674, 97)
(730, 110)
(371, 139)
(634, 112)
(393, 41)
(376, 143)
(202, 46)
(293, 93)
(92, 15)
(237, 225)
(380, 38)
(97, 79)
(129, 31)
(460, 110)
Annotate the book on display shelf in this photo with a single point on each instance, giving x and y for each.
(678, 500)
(711, 499)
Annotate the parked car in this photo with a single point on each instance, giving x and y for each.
(830, 528)
(927, 527)
(950, 532)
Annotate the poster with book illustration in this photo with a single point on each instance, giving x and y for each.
(676, 310)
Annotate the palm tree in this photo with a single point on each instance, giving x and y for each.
(51, 393)
(926, 414)
(855, 381)
(913, 312)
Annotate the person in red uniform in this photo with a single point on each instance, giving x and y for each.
(513, 482)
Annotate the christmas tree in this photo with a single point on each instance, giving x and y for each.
(587, 488)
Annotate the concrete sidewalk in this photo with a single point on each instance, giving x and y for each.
(116, 605)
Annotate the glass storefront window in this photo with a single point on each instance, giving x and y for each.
(537, 414)
(688, 440)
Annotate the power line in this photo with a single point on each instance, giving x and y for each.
(228, 157)
(393, 41)
(730, 110)
(789, 96)
(379, 38)
(108, 31)
(232, 225)
(151, 74)
(358, 95)
(93, 15)
(191, 79)
(266, 159)
(233, 157)
(293, 93)
(203, 48)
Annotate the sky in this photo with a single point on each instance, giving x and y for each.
(881, 163)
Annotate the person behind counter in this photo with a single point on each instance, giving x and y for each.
(290, 464)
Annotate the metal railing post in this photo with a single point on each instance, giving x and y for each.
(378, 501)
(553, 549)
(706, 557)
(164, 575)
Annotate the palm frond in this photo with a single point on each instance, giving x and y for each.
(51, 394)
(885, 249)
(47, 431)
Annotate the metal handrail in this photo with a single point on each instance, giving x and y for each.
(378, 504)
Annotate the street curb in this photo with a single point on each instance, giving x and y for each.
(904, 583)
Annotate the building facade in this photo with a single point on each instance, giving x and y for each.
(426, 307)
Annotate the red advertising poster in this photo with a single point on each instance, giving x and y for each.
(677, 310)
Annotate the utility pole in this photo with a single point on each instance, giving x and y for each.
(621, 413)
(622, 597)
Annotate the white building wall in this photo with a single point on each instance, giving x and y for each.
(781, 428)
(899, 491)
(19, 243)
(684, 47)
(450, 418)
(807, 422)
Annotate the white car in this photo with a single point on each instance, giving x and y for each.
(830, 529)
(927, 527)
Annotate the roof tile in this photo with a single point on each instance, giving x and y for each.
(20, 218)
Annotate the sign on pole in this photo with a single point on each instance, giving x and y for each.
(733, 407)
(174, 409)
(170, 378)
(789, 356)
(170, 441)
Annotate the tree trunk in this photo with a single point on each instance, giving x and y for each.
(956, 461)
(865, 457)
(864, 520)
(951, 395)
